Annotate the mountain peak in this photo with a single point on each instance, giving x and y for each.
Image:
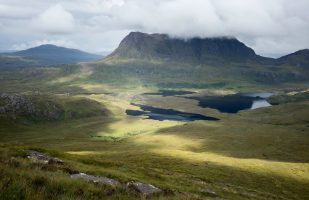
(299, 58)
(52, 54)
(45, 47)
(138, 35)
(302, 52)
(139, 45)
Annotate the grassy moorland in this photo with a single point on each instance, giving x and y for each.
(255, 154)
(125, 75)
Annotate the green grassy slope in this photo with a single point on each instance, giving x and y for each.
(289, 98)
(260, 154)
(110, 74)
(180, 75)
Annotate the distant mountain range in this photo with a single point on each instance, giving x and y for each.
(167, 62)
(158, 60)
(144, 46)
(48, 55)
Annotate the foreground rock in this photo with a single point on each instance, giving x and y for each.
(42, 158)
(208, 192)
(96, 179)
(143, 188)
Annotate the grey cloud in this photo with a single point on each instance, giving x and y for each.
(270, 27)
(54, 20)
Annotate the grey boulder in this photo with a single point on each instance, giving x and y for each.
(142, 188)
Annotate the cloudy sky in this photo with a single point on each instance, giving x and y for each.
(271, 27)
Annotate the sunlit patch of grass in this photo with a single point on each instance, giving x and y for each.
(168, 142)
(94, 87)
(179, 147)
(81, 74)
(84, 153)
(66, 79)
(125, 125)
(297, 92)
(135, 126)
(298, 171)
(243, 156)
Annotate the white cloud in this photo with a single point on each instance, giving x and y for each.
(270, 27)
(8, 11)
(55, 20)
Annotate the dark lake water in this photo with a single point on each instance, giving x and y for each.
(167, 114)
(235, 102)
(228, 104)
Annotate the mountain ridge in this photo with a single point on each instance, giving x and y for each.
(165, 62)
(299, 58)
(48, 54)
(197, 50)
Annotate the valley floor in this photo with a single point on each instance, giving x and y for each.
(254, 154)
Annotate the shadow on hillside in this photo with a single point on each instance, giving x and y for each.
(246, 140)
(131, 160)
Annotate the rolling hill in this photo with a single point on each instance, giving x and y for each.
(46, 55)
(299, 58)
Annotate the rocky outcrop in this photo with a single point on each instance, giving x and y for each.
(142, 188)
(96, 179)
(138, 188)
(16, 105)
(42, 158)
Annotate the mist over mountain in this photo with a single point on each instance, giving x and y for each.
(143, 46)
(163, 61)
(198, 50)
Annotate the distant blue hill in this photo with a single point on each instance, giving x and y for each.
(52, 55)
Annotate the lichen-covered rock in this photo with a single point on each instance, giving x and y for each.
(208, 192)
(142, 188)
(42, 158)
(96, 179)
(16, 105)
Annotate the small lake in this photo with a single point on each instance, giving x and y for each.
(235, 102)
(167, 114)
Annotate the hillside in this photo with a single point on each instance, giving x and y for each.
(161, 61)
(299, 58)
(242, 156)
(40, 108)
(46, 55)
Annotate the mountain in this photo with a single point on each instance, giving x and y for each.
(157, 60)
(51, 55)
(165, 62)
(139, 45)
(299, 58)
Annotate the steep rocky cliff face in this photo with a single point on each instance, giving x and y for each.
(197, 50)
